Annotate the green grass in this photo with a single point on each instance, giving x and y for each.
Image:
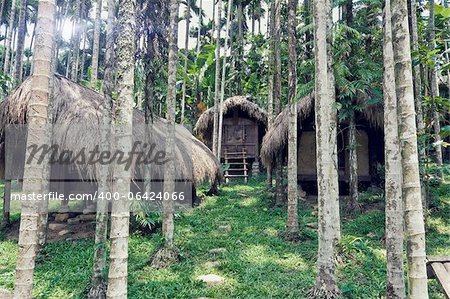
(257, 263)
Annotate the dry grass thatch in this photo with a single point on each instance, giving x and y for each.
(276, 138)
(78, 110)
(204, 126)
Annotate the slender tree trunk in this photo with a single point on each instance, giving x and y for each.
(213, 28)
(83, 55)
(169, 169)
(6, 204)
(76, 41)
(120, 214)
(12, 56)
(96, 43)
(271, 74)
(20, 41)
(326, 152)
(223, 80)
(292, 220)
(9, 38)
(393, 168)
(200, 23)
(31, 47)
(2, 8)
(435, 93)
(36, 174)
(353, 162)
(279, 192)
(240, 48)
(186, 53)
(98, 283)
(418, 99)
(199, 44)
(414, 224)
(217, 85)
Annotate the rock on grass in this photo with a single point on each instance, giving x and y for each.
(165, 257)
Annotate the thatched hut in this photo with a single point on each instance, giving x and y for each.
(369, 137)
(244, 125)
(78, 111)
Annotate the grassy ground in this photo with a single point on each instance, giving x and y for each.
(256, 264)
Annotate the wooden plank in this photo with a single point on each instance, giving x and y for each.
(438, 259)
(442, 276)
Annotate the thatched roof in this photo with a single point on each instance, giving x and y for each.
(79, 109)
(204, 126)
(276, 138)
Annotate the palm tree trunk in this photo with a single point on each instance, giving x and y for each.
(83, 55)
(326, 151)
(37, 135)
(120, 214)
(222, 87)
(76, 41)
(96, 44)
(435, 93)
(417, 81)
(393, 168)
(2, 8)
(186, 53)
(279, 192)
(292, 219)
(20, 41)
(6, 204)
(353, 162)
(9, 37)
(271, 73)
(169, 169)
(217, 84)
(98, 282)
(240, 48)
(414, 224)
(213, 28)
(12, 56)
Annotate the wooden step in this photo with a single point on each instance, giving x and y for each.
(238, 169)
(235, 153)
(237, 163)
(236, 176)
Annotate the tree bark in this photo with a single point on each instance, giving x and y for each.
(76, 41)
(353, 161)
(36, 174)
(6, 204)
(120, 214)
(186, 53)
(435, 93)
(20, 41)
(223, 80)
(240, 48)
(96, 44)
(417, 81)
(279, 189)
(326, 151)
(414, 224)
(395, 287)
(270, 73)
(217, 85)
(2, 8)
(98, 282)
(292, 219)
(9, 37)
(83, 55)
(169, 169)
